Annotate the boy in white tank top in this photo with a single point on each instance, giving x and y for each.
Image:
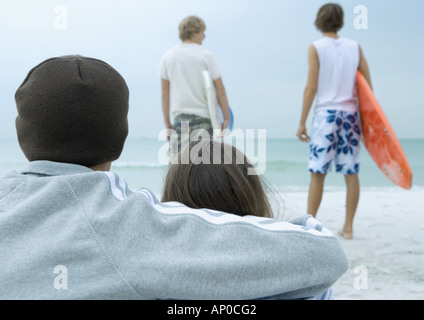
(335, 136)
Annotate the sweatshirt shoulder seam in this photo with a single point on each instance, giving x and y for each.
(98, 240)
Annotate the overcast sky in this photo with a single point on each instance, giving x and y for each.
(261, 47)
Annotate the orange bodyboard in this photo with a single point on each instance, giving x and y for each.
(379, 138)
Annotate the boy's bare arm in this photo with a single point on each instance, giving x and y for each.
(166, 106)
(309, 93)
(166, 103)
(223, 101)
(363, 67)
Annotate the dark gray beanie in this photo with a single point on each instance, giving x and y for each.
(72, 109)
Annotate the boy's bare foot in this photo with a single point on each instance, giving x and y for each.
(347, 234)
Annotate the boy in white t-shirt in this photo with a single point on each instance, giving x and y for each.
(333, 65)
(183, 90)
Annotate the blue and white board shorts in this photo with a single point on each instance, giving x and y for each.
(335, 136)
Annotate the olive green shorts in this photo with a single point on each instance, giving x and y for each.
(187, 123)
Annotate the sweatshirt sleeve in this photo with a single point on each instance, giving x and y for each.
(170, 251)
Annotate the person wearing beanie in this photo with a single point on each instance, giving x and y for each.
(72, 229)
(72, 109)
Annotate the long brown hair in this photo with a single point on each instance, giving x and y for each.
(220, 182)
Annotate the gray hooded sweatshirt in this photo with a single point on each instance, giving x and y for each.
(68, 232)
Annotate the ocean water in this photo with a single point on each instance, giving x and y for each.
(142, 164)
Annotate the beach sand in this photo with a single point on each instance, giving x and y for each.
(386, 254)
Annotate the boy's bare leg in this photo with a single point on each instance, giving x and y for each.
(316, 189)
(352, 199)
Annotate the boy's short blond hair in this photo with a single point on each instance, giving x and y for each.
(190, 26)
